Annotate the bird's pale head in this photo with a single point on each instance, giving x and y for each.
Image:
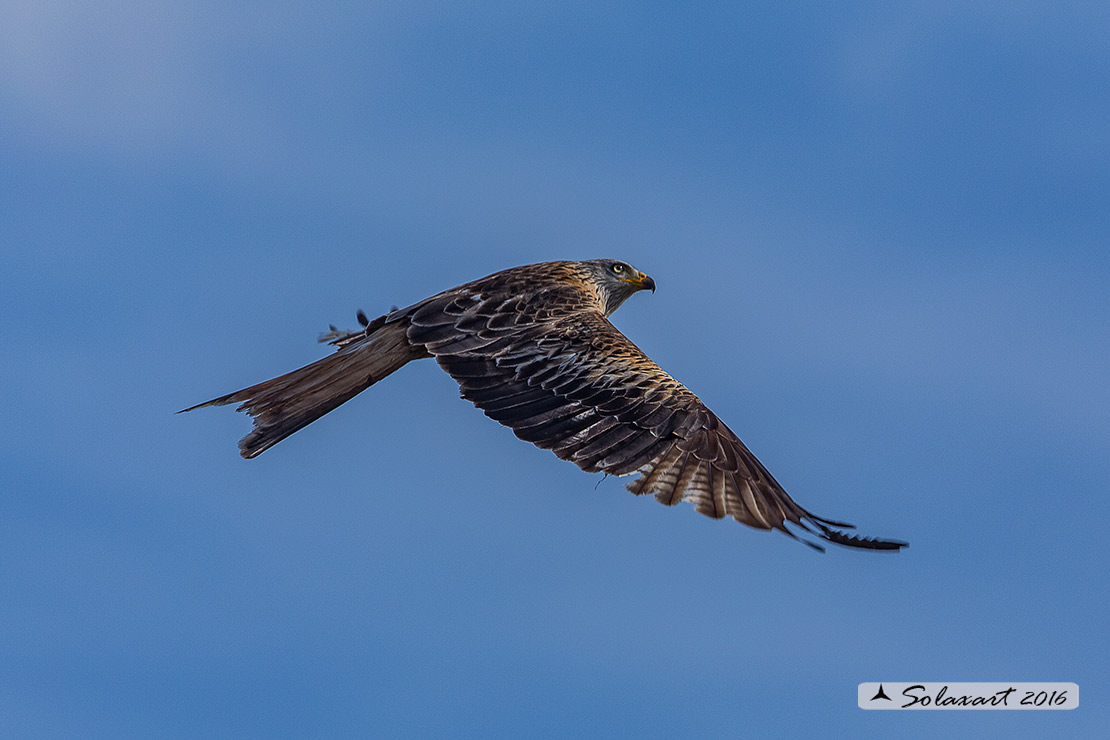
(616, 281)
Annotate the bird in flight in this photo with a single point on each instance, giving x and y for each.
(533, 348)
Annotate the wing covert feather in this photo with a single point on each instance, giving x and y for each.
(570, 382)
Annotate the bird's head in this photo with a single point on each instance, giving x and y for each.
(617, 280)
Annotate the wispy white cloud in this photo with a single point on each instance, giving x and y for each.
(127, 76)
(149, 79)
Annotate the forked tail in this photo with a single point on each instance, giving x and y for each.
(289, 402)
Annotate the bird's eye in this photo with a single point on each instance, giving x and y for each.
(618, 268)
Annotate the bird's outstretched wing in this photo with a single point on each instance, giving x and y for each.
(569, 381)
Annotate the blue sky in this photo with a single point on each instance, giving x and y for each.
(879, 232)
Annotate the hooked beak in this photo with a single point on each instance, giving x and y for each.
(642, 282)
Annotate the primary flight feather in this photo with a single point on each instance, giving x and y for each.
(533, 348)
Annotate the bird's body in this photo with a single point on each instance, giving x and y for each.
(533, 348)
